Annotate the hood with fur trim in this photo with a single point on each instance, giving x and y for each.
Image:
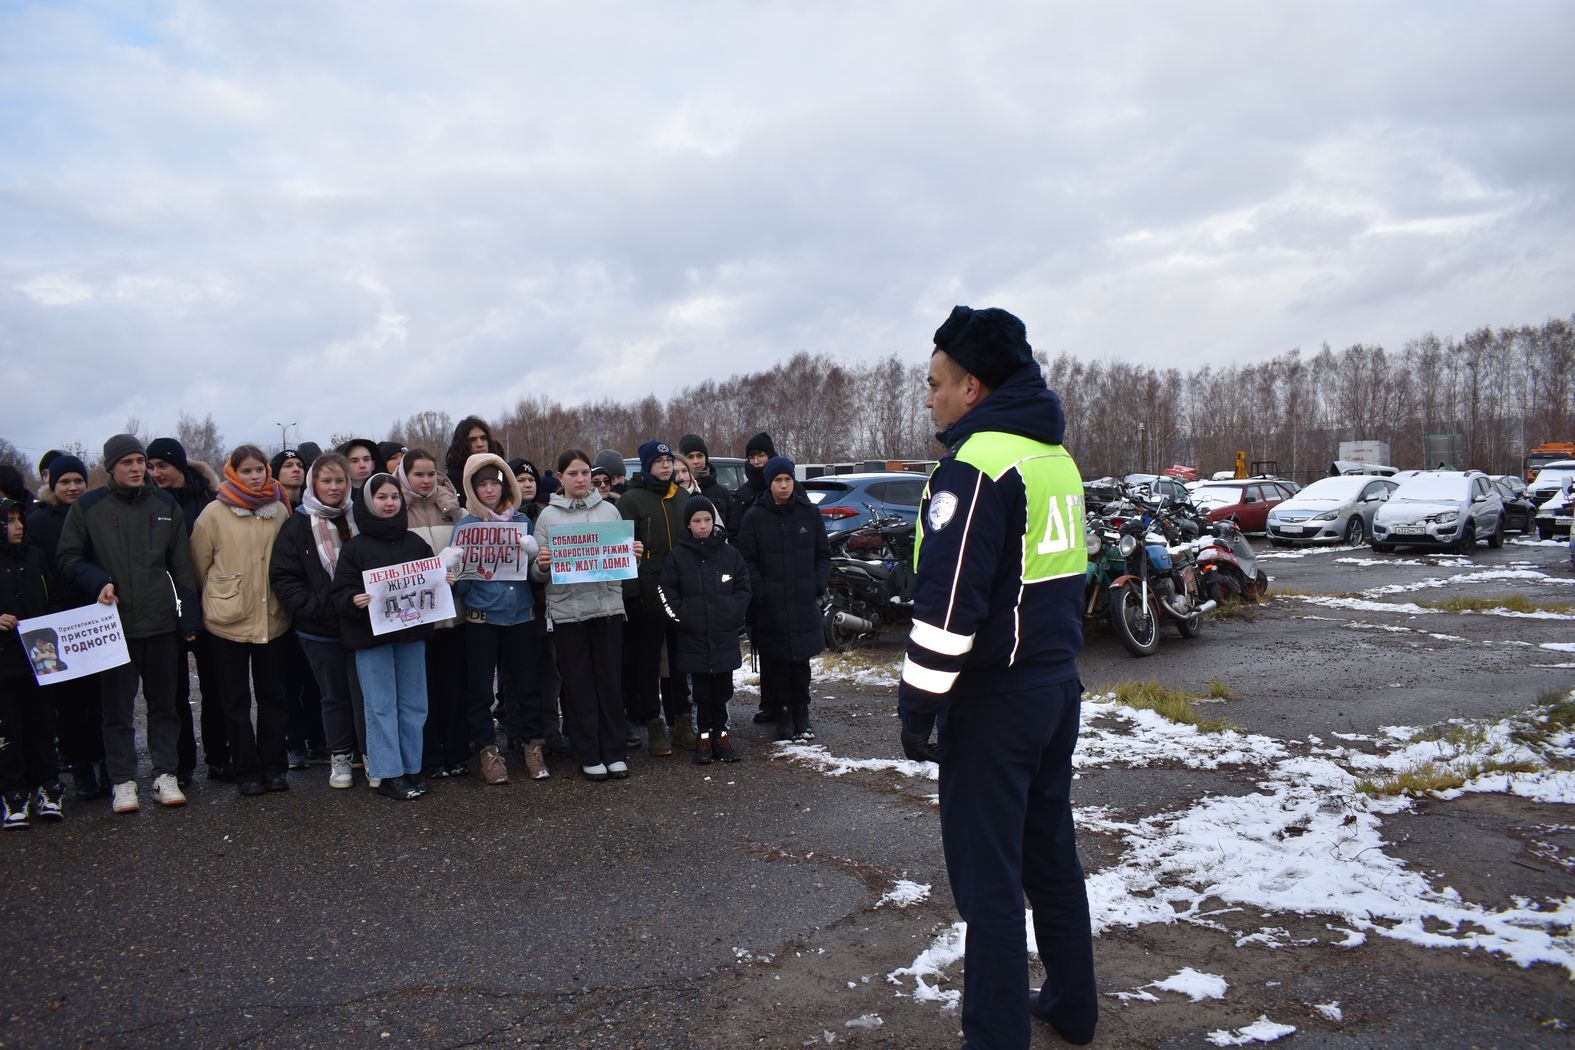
(511, 487)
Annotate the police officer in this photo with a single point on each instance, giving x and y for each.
(997, 626)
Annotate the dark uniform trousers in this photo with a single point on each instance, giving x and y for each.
(1006, 823)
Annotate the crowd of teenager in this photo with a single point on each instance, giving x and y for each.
(251, 573)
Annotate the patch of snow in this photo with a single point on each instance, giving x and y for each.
(1363, 625)
(903, 893)
(1560, 647)
(1380, 561)
(887, 673)
(1363, 605)
(931, 964)
(1148, 737)
(1262, 1030)
(869, 1021)
(1137, 996)
(1273, 937)
(1353, 938)
(1330, 1010)
(1487, 576)
(817, 757)
(1194, 984)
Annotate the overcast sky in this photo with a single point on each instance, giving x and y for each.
(340, 214)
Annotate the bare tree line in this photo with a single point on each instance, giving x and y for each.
(1501, 390)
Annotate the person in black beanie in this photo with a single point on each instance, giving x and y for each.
(693, 448)
(309, 451)
(289, 470)
(783, 540)
(78, 715)
(126, 545)
(193, 484)
(704, 590)
(757, 450)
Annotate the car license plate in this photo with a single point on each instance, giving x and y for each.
(1408, 530)
(1291, 530)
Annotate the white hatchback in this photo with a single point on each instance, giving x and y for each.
(1441, 508)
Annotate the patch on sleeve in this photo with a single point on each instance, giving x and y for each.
(943, 507)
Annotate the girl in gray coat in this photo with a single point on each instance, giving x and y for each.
(586, 620)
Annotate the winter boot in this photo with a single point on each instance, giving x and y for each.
(684, 731)
(661, 743)
(724, 747)
(493, 770)
(703, 749)
(784, 725)
(801, 729)
(86, 778)
(535, 762)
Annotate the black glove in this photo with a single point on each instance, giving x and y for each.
(919, 749)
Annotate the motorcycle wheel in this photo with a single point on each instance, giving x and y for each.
(1223, 588)
(1191, 627)
(1136, 626)
(1262, 586)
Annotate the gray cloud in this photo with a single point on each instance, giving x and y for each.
(344, 214)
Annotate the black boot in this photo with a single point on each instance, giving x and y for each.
(86, 778)
(784, 725)
(801, 729)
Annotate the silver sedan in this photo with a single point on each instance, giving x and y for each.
(1330, 510)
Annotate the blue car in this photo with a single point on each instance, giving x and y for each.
(844, 499)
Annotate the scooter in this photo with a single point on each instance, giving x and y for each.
(1229, 566)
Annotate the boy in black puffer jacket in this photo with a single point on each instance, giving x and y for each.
(705, 591)
(783, 541)
(27, 718)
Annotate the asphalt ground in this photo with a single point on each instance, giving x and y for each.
(736, 905)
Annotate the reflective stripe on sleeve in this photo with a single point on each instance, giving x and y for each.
(946, 643)
(926, 678)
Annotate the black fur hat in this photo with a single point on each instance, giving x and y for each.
(989, 343)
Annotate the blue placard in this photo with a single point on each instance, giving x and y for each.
(592, 552)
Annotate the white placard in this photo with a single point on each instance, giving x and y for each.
(498, 550)
(74, 643)
(408, 595)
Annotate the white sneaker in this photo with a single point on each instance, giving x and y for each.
(339, 774)
(617, 770)
(126, 797)
(167, 792)
(374, 782)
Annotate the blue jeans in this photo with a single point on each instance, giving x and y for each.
(394, 681)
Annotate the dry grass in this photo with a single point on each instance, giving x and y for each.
(1462, 736)
(1553, 716)
(1430, 776)
(1514, 603)
(1172, 704)
(1218, 690)
(852, 661)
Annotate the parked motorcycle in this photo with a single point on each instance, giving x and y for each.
(1228, 565)
(1159, 582)
(871, 581)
